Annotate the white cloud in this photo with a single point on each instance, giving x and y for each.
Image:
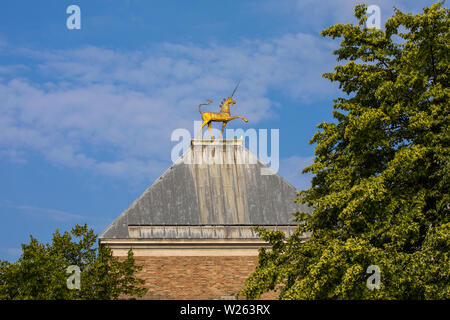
(291, 169)
(113, 112)
(12, 253)
(55, 214)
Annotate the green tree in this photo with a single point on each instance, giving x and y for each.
(41, 271)
(380, 190)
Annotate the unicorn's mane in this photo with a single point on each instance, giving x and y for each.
(223, 101)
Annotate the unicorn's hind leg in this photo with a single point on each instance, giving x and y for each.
(201, 127)
(223, 127)
(210, 131)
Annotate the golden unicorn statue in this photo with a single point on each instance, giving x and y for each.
(222, 116)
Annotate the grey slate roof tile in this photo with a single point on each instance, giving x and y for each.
(211, 194)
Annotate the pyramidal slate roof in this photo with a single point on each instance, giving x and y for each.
(217, 183)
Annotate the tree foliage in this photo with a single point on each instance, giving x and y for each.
(40, 272)
(380, 190)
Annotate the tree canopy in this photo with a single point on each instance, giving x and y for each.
(380, 190)
(41, 271)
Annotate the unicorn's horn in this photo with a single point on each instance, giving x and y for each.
(235, 89)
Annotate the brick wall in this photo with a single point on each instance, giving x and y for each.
(195, 277)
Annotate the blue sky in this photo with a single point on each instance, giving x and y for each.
(86, 115)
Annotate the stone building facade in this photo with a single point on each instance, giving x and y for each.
(192, 229)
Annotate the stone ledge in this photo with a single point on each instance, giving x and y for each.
(217, 142)
(202, 231)
(185, 247)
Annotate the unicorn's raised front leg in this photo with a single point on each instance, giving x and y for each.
(235, 117)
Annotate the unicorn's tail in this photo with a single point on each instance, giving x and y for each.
(203, 104)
